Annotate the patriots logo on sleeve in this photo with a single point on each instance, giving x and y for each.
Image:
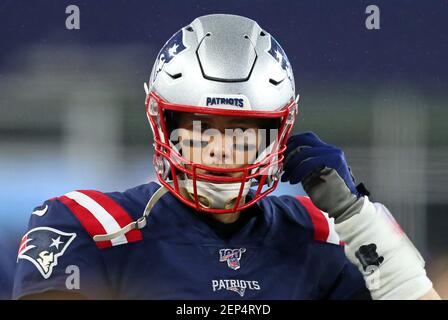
(172, 48)
(43, 246)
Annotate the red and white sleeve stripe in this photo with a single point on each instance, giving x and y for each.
(99, 214)
(324, 229)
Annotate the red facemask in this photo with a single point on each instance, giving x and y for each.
(173, 170)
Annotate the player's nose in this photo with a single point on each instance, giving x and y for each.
(220, 150)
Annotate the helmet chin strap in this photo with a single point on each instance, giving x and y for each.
(215, 195)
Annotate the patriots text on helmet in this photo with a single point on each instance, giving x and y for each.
(212, 101)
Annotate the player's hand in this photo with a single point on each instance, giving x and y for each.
(324, 174)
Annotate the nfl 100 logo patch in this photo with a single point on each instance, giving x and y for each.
(232, 257)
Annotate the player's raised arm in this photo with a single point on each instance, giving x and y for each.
(392, 267)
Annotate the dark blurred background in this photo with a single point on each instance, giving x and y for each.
(72, 113)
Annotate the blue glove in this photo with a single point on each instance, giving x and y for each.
(306, 154)
(323, 171)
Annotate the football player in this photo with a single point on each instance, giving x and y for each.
(221, 103)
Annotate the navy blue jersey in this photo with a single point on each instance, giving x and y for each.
(286, 249)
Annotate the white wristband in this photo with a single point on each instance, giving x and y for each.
(400, 273)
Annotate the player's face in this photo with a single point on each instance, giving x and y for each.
(219, 141)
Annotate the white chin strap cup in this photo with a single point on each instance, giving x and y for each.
(215, 195)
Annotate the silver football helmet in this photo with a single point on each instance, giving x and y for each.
(220, 65)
